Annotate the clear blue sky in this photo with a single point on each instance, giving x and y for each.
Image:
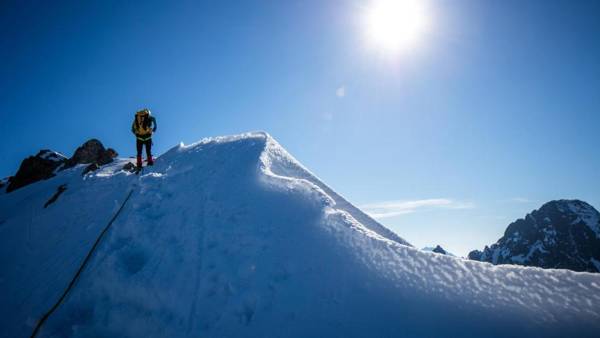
(495, 112)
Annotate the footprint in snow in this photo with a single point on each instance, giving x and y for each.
(132, 260)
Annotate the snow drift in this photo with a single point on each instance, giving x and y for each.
(232, 237)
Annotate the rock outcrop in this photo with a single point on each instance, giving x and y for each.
(90, 152)
(440, 250)
(437, 249)
(35, 168)
(46, 163)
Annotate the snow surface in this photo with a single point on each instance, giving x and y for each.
(586, 214)
(537, 246)
(52, 155)
(232, 237)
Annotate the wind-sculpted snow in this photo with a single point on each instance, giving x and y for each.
(279, 163)
(232, 237)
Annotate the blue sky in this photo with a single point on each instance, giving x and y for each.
(494, 112)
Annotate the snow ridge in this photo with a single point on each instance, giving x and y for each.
(278, 163)
(232, 237)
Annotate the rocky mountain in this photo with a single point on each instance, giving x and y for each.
(35, 168)
(562, 234)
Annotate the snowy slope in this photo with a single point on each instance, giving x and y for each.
(232, 237)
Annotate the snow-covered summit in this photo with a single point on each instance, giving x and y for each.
(232, 237)
(561, 234)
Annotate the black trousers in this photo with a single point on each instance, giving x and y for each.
(148, 143)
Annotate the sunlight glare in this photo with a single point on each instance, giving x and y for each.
(396, 24)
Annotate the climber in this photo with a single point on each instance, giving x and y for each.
(144, 124)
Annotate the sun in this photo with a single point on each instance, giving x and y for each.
(396, 24)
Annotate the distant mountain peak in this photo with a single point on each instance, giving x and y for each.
(437, 249)
(560, 234)
(585, 213)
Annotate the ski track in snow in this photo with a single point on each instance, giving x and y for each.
(232, 237)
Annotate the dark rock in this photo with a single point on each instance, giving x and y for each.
(54, 197)
(475, 255)
(35, 168)
(91, 151)
(107, 156)
(43, 165)
(440, 250)
(129, 167)
(562, 234)
(112, 153)
(91, 167)
(4, 182)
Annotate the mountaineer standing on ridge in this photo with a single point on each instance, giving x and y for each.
(144, 124)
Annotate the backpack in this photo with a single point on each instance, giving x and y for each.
(142, 122)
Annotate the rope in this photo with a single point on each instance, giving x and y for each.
(83, 264)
